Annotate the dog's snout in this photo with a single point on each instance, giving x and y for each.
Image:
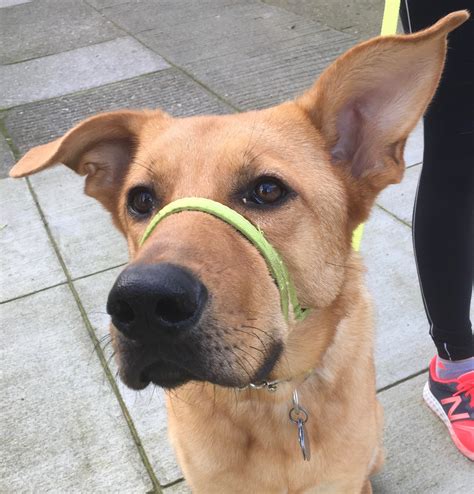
(147, 301)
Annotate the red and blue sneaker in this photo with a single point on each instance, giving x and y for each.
(452, 400)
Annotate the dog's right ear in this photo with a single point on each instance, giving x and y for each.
(367, 102)
(100, 147)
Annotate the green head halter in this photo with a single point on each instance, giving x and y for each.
(274, 262)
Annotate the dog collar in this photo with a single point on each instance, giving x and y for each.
(272, 386)
(254, 235)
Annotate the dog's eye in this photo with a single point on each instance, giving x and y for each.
(141, 201)
(267, 191)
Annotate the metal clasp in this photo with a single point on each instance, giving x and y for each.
(269, 385)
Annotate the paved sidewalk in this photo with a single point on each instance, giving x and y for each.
(67, 424)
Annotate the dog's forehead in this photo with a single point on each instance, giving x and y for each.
(212, 134)
(221, 145)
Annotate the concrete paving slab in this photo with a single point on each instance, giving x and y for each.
(253, 55)
(82, 229)
(36, 29)
(93, 292)
(403, 346)
(262, 80)
(138, 16)
(146, 407)
(414, 146)
(362, 18)
(170, 90)
(420, 455)
(399, 199)
(76, 70)
(102, 4)
(180, 488)
(62, 428)
(6, 157)
(27, 261)
(249, 28)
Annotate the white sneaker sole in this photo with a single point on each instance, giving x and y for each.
(438, 410)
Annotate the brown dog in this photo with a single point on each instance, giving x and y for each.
(196, 309)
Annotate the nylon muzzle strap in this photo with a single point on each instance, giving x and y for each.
(275, 264)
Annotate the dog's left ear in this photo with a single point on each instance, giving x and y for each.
(367, 102)
(100, 147)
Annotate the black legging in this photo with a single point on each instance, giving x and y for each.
(443, 216)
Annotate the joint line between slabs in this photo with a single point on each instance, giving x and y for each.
(29, 294)
(172, 484)
(61, 283)
(402, 380)
(394, 216)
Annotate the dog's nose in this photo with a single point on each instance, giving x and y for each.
(148, 301)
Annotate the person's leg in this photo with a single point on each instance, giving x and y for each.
(443, 223)
(443, 219)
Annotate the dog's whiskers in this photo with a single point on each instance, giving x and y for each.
(252, 370)
(238, 362)
(252, 334)
(266, 333)
(258, 350)
(144, 165)
(111, 356)
(240, 349)
(100, 343)
(343, 266)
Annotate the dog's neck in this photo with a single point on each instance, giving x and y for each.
(300, 360)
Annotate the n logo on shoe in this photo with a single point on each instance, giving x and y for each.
(455, 401)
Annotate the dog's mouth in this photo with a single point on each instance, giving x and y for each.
(141, 366)
(172, 366)
(166, 375)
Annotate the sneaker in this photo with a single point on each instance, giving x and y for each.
(452, 400)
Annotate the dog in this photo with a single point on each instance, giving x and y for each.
(259, 400)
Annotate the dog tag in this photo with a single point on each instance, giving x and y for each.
(299, 416)
(303, 439)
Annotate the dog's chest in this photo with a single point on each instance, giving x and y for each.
(254, 449)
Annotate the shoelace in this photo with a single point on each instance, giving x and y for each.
(466, 387)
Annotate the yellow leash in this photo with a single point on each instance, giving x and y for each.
(389, 26)
(390, 17)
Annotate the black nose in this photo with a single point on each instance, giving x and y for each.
(148, 301)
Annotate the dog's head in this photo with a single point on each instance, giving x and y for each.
(196, 301)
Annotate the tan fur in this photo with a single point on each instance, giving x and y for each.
(336, 146)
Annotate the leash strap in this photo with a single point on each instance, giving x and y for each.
(390, 17)
(389, 26)
(255, 236)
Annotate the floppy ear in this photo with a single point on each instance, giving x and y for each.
(100, 147)
(367, 102)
